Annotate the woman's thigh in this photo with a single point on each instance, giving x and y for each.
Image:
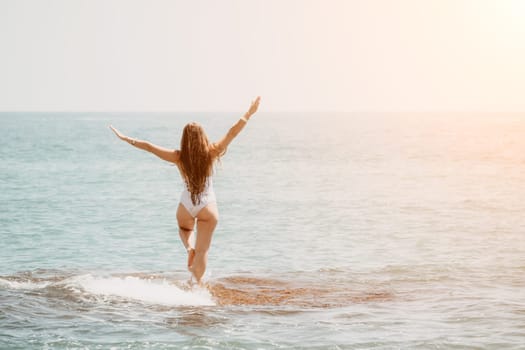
(184, 218)
(206, 222)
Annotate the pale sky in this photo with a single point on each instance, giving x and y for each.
(326, 55)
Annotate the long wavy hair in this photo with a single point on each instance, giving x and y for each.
(196, 159)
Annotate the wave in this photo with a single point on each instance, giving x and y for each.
(27, 285)
(170, 290)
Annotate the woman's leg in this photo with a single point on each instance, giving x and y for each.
(206, 222)
(186, 224)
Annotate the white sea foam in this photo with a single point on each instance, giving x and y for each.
(22, 285)
(153, 291)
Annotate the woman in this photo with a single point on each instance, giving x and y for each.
(198, 205)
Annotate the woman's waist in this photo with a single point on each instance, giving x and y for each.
(208, 191)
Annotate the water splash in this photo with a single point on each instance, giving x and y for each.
(148, 289)
(151, 291)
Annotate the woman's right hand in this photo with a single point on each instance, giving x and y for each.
(253, 107)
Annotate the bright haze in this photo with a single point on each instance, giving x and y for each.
(370, 55)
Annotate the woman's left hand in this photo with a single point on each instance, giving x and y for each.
(118, 133)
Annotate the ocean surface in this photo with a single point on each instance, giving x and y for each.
(336, 231)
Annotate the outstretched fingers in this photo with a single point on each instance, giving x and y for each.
(254, 106)
(118, 133)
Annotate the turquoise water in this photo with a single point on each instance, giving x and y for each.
(336, 231)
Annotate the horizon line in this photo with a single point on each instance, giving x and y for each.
(370, 111)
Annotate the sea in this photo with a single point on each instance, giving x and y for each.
(336, 231)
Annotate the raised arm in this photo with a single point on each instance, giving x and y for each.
(237, 127)
(169, 155)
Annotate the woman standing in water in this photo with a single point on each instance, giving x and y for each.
(198, 205)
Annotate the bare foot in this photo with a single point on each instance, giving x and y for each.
(191, 256)
(198, 282)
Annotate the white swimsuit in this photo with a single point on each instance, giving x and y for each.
(207, 197)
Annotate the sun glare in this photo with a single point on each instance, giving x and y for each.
(512, 14)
